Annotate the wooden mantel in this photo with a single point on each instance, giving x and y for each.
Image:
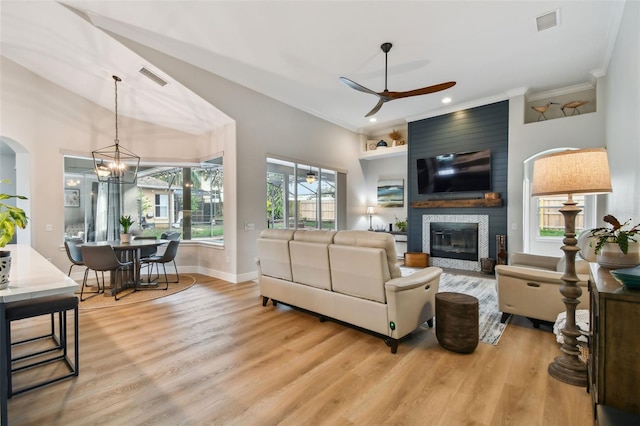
(476, 202)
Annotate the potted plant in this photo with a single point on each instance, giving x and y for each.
(616, 245)
(126, 223)
(10, 217)
(401, 224)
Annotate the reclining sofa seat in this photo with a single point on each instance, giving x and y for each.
(350, 276)
(530, 285)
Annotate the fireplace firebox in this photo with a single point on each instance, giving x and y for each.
(454, 240)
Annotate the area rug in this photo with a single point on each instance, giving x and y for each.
(128, 297)
(484, 289)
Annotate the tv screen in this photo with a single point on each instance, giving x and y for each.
(456, 172)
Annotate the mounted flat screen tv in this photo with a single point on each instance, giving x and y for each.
(456, 172)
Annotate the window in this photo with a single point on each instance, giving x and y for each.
(300, 196)
(188, 200)
(162, 206)
(551, 221)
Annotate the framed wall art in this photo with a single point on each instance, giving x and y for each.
(391, 193)
(72, 198)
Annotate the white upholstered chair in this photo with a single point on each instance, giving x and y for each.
(530, 285)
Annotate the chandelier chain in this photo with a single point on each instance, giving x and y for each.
(116, 80)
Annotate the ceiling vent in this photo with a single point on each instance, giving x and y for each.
(152, 76)
(548, 20)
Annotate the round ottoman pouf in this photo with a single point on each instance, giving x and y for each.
(457, 327)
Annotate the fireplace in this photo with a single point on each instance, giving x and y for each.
(448, 240)
(454, 240)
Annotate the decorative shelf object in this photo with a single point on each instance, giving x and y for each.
(476, 202)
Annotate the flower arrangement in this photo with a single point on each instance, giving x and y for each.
(395, 135)
(401, 224)
(615, 234)
(10, 217)
(126, 223)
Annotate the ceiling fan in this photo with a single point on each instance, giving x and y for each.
(386, 95)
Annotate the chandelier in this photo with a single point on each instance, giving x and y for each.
(311, 177)
(116, 164)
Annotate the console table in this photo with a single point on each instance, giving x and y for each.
(614, 341)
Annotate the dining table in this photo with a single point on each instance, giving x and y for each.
(31, 276)
(129, 251)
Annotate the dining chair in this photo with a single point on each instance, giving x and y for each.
(147, 251)
(73, 253)
(104, 258)
(168, 256)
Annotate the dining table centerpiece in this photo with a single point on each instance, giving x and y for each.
(616, 245)
(126, 222)
(10, 218)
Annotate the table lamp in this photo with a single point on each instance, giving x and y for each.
(582, 171)
(371, 211)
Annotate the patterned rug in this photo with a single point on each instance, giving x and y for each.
(484, 289)
(128, 297)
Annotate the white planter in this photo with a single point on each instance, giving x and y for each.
(612, 257)
(125, 238)
(5, 267)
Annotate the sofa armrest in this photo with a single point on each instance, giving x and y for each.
(417, 279)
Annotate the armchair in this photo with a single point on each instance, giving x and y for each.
(530, 284)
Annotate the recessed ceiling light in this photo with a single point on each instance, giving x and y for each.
(446, 100)
(373, 120)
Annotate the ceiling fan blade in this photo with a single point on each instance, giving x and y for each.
(422, 91)
(356, 86)
(376, 108)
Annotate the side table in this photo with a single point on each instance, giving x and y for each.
(457, 323)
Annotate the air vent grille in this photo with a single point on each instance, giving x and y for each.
(152, 76)
(548, 20)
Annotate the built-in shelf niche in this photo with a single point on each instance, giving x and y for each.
(370, 151)
(559, 98)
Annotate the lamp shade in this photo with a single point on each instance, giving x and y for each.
(580, 171)
(371, 210)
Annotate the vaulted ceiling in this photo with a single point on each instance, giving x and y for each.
(295, 52)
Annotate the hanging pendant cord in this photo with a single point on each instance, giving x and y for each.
(116, 80)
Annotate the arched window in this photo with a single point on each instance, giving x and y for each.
(543, 223)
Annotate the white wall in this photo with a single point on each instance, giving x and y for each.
(622, 104)
(265, 127)
(526, 140)
(47, 120)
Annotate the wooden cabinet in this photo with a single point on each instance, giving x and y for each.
(614, 342)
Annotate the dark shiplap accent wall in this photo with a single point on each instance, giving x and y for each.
(485, 127)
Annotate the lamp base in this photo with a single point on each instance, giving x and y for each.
(569, 370)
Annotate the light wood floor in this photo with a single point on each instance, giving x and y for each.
(214, 355)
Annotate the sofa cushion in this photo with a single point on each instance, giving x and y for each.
(273, 251)
(310, 258)
(359, 271)
(381, 240)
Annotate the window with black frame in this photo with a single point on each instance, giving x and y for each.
(164, 199)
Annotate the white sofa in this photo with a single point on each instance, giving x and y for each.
(350, 276)
(530, 285)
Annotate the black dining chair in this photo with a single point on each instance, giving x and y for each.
(168, 256)
(104, 258)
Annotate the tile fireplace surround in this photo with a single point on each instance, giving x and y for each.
(483, 239)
